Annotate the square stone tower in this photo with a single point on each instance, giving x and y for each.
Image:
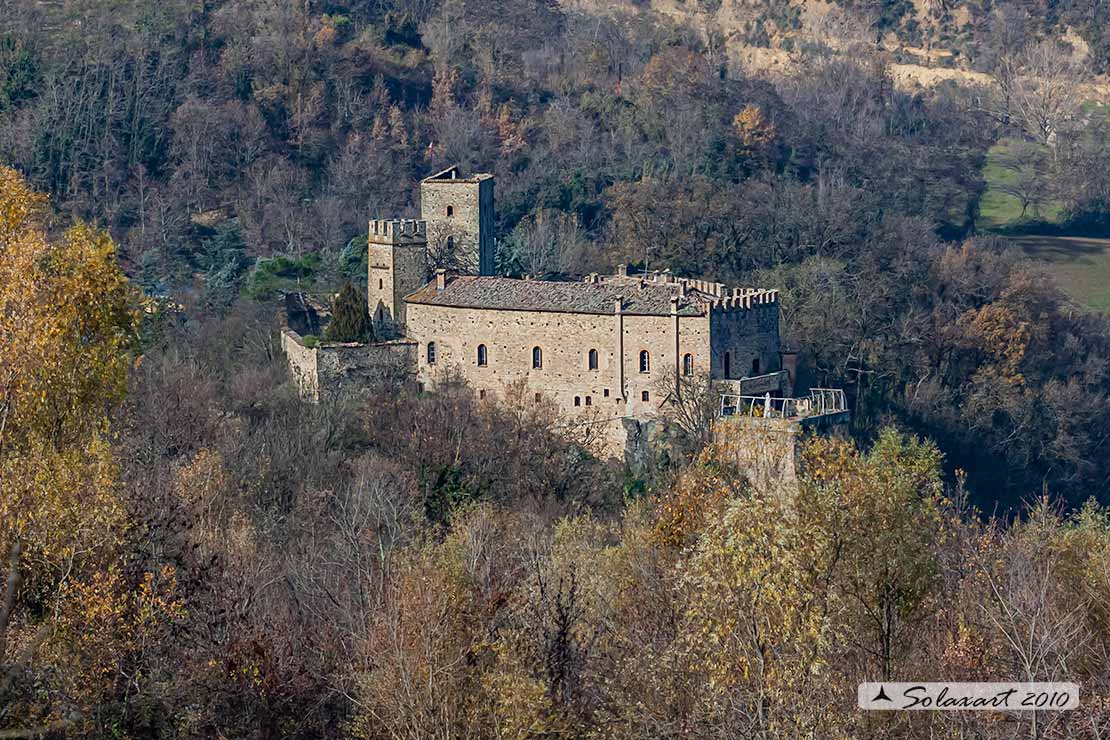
(459, 214)
(396, 257)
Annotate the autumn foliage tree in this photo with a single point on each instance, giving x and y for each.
(67, 615)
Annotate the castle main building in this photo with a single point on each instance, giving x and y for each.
(615, 341)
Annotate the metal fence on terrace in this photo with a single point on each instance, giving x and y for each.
(819, 402)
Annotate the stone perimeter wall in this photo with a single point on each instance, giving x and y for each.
(333, 370)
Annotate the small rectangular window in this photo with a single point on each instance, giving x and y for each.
(644, 396)
(605, 393)
(589, 401)
(577, 401)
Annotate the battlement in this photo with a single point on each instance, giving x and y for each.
(398, 231)
(746, 299)
(716, 295)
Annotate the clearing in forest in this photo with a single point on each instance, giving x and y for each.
(1081, 266)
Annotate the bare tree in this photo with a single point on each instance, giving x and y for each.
(1039, 91)
(447, 250)
(1028, 181)
(692, 405)
(549, 243)
(1043, 629)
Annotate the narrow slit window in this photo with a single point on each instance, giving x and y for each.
(537, 358)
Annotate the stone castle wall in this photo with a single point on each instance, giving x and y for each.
(396, 266)
(330, 371)
(746, 334)
(302, 364)
(470, 223)
(394, 272)
(614, 389)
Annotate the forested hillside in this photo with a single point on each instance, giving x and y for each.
(212, 137)
(191, 551)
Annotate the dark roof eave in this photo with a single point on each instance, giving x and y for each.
(686, 312)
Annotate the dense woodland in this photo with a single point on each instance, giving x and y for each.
(191, 551)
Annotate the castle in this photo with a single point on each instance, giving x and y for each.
(606, 349)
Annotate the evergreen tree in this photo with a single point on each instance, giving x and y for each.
(350, 321)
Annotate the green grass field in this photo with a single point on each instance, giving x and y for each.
(1080, 264)
(998, 209)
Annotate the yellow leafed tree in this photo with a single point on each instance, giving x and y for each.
(67, 322)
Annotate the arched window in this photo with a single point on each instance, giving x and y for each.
(688, 365)
(577, 400)
(728, 365)
(481, 355)
(537, 358)
(589, 400)
(450, 211)
(645, 361)
(431, 353)
(592, 359)
(755, 366)
(645, 396)
(450, 243)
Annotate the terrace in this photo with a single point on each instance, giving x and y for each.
(821, 402)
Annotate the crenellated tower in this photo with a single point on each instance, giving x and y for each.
(396, 257)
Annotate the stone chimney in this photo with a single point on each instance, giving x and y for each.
(441, 279)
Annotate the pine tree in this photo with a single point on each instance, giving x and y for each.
(350, 321)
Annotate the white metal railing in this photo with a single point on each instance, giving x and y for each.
(819, 402)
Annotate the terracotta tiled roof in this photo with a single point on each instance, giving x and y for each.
(509, 294)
